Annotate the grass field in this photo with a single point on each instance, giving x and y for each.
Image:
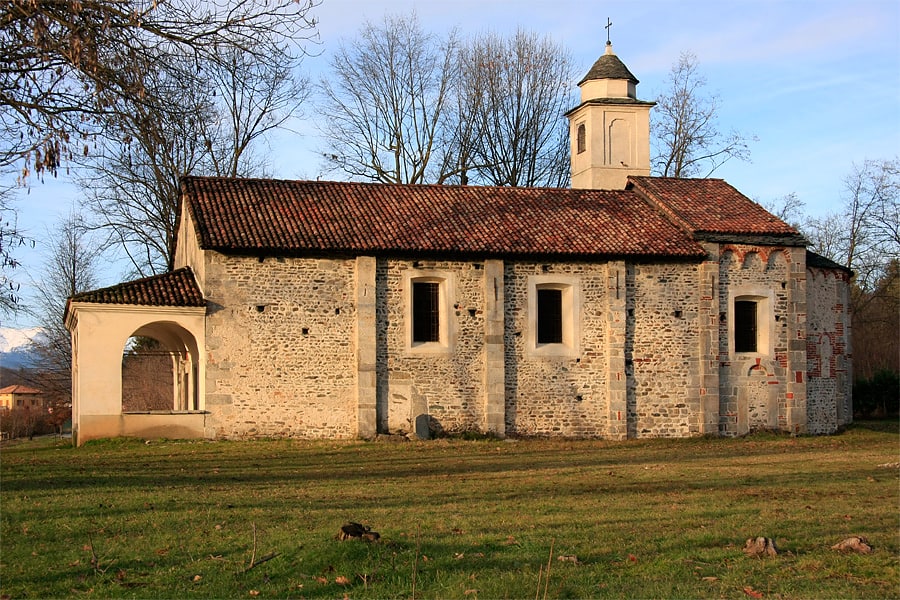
(458, 519)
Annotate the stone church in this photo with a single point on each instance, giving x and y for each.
(627, 306)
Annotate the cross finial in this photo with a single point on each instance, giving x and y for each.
(608, 25)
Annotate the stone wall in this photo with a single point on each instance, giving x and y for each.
(280, 353)
(828, 352)
(562, 396)
(650, 352)
(765, 389)
(663, 305)
(447, 385)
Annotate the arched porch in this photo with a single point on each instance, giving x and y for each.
(101, 323)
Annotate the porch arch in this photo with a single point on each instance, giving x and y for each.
(179, 347)
(168, 308)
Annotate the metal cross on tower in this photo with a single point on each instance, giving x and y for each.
(608, 25)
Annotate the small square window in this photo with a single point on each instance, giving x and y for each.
(429, 324)
(553, 316)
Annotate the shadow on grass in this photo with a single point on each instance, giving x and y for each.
(880, 425)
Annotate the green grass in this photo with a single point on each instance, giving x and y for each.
(458, 519)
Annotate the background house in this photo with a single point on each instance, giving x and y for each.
(21, 397)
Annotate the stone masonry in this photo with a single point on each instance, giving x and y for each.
(315, 347)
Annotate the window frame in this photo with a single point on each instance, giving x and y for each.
(746, 325)
(446, 325)
(570, 316)
(580, 138)
(765, 321)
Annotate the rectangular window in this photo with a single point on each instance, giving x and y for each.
(549, 316)
(745, 326)
(553, 316)
(426, 311)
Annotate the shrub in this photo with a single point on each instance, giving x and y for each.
(877, 397)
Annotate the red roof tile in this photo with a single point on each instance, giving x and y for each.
(176, 288)
(710, 206)
(19, 389)
(283, 217)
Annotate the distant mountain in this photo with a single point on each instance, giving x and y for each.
(16, 347)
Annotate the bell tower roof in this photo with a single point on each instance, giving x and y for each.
(608, 66)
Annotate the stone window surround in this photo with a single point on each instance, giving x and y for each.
(765, 319)
(570, 287)
(446, 291)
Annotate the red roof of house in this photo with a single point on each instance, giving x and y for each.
(710, 206)
(284, 217)
(653, 218)
(176, 288)
(19, 389)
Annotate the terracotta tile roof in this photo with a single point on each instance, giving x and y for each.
(257, 216)
(176, 288)
(19, 389)
(711, 206)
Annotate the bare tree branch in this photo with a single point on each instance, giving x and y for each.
(386, 106)
(686, 138)
(68, 66)
(516, 91)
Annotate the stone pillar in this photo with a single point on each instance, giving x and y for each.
(494, 354)
(795, 401)
(708, 315)
(617, 380)
(366, 375)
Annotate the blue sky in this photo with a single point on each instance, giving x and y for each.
(816, 81)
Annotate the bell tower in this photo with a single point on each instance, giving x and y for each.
(609, 131)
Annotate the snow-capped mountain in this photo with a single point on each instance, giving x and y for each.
(16, 349)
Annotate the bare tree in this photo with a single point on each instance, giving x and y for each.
(144, 92)
(788, 208)
(876, 319)
(687, 141)
(131, 186)
(827, 236)
(253, 98)
(217, 115)
(407, 106)
(385, 108)
(516, 91)
(11, 238)
(68, 65)
(864, 235)
(70, 267)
